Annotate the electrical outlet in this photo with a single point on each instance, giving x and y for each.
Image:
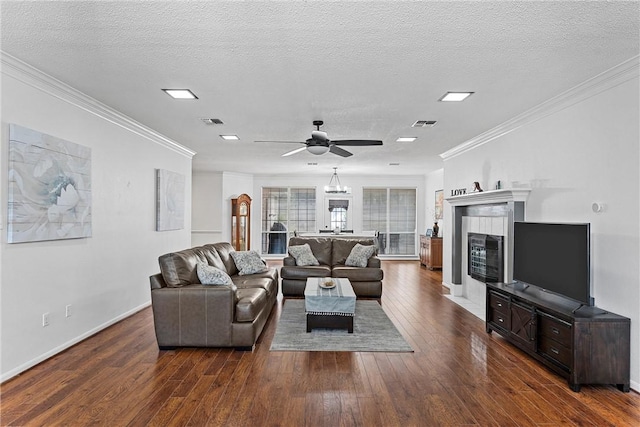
(67, 311)
(45, 319)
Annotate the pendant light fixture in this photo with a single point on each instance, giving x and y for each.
(335, 187)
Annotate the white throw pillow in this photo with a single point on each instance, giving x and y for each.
(359, 256)
(249, 262)
(210, 275)
(303, 255)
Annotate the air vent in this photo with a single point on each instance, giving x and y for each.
(394, 164)
(312, 164)
(212, 121)
(424, 124)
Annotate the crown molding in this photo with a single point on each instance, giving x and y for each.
(31, 76)
(613, 77)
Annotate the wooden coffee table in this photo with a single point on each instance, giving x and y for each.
(329, 308)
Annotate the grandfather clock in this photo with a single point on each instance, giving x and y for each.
(241, 222)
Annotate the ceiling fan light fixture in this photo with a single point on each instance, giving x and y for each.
(335, 187)
(317, 149)
(455, 96)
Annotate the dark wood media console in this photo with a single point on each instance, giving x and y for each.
(586, 345)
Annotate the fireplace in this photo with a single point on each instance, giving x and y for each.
(485, 261)
(490, 212)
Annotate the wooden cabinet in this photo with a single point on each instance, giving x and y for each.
(587, 345)
(431, 252)
(241, 223)
(514, 319)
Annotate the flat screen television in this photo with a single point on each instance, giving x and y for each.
(554, 257)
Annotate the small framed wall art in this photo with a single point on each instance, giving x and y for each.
(169, 200)
(438, 204)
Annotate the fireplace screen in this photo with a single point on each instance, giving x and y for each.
(485, 262)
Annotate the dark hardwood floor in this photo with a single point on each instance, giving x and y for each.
(458, 376)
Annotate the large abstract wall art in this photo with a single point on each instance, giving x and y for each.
(169, 200)
(49, 187)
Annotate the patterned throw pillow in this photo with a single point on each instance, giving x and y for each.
(210, 275)
(303, 255)
(248, 262)
(359, 255)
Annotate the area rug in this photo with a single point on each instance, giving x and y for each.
(372, 331)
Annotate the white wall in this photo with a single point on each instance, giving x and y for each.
(105, 277)
(211, 215)
(434, 181)
(583, 153)
(206, 219)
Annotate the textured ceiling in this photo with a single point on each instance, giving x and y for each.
(368, 69)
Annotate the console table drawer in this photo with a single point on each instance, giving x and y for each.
(499, 303)
(555, 351)
(500, 319)
(555, 329)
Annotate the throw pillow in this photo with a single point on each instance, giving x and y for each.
(359, 255)
(248, 262)
(210, 275)
(303, 255)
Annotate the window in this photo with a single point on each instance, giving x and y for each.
(392, 213)
(338, 214)
(338, 219)
(285, 210)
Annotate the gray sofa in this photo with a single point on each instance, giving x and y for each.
(331, 254)
(189, 314)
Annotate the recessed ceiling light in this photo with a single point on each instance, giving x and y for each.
(230, 137)
(406, 139)
(455, 96)
(180, 93)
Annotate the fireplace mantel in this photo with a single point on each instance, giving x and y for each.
(490, 197)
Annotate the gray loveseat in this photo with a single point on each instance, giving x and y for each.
(331, 254)
(189, 314)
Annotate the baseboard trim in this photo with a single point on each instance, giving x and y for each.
(33, 362)
(455, 290)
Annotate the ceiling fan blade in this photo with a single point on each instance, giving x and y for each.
(292, 152)
(339, 151)
(357, 142)
(284, 142)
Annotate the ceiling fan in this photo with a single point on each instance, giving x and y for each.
(319, 143)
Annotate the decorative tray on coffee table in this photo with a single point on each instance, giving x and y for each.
(329, 284)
